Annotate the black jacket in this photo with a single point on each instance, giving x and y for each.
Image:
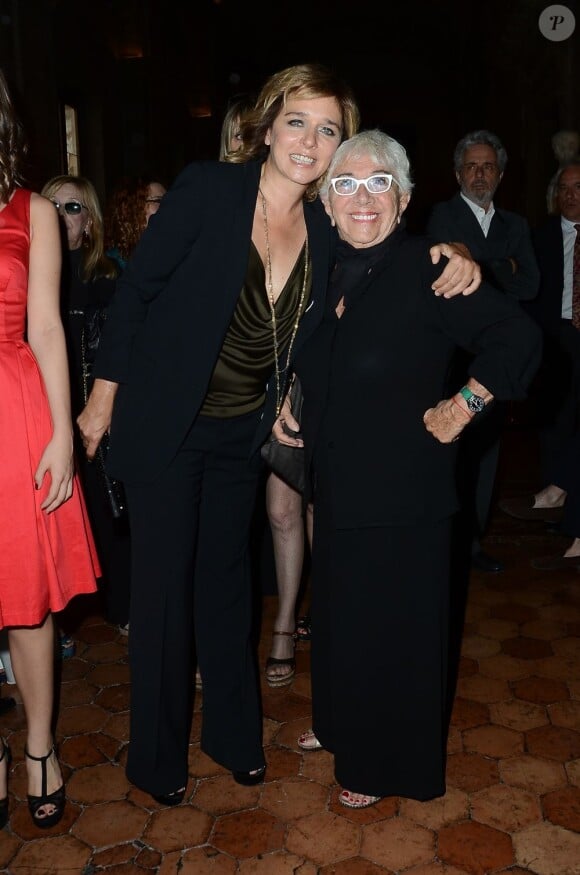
(508, 237)
(173, 306)
(369, 377)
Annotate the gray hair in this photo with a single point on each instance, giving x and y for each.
(386, 152)
(480, 138)
(574, 162)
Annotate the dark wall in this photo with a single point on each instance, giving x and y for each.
(151, 80)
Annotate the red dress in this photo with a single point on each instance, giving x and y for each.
(45, 559)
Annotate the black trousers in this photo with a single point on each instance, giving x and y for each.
(560, 430)
(190, 573)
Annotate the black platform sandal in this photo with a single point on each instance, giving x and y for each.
(37, 803)
(6, 756)
(281, 680)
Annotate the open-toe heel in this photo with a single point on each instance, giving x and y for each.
(274, 679)
(37, 803)
(4, 761)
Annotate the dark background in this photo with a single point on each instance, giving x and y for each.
(151, 79)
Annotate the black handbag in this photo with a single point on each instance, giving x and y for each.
(288, 462)
(114, 490)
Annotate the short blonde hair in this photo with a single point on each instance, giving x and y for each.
(236, 110)
(95, 262)
(303, 80)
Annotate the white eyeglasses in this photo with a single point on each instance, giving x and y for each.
(378, 183)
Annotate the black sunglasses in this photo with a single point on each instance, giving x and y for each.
(73, 208)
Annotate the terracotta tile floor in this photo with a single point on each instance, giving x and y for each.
(513, 798)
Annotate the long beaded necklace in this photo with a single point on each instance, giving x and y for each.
(270, 293)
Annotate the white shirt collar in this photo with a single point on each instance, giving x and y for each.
(484, 218)
(567, 225)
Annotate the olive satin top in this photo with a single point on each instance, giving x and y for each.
(244, 366)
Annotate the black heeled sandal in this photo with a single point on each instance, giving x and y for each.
(281, 680)
(36, 803)
(6, 755)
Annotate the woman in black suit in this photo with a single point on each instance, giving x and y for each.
(226, 283)
(383, 452)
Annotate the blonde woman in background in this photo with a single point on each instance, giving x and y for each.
(89, 281)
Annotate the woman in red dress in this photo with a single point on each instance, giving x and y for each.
(46, 546)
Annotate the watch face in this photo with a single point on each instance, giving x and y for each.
(475, 403)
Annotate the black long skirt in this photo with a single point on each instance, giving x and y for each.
(380, 613)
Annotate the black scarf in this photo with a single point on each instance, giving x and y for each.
(353, 269)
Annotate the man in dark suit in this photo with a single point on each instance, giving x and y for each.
(500, 241)
(557, 309)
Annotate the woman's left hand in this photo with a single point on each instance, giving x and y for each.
(57, 462)
(446, 421)
(461, 275)
(285, 422)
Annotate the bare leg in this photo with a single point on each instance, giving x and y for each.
(284, 508)
(32, 655)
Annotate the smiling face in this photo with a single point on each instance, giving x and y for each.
(303, 138)
(77, 223)
(364, 219)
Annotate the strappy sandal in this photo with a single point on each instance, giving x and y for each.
(281, 680)
(308, 741)
(357, 800)
(6, 756)
(37, 803)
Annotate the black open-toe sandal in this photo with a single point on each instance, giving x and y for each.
(6, 757)
(37, 803)
(281, 680)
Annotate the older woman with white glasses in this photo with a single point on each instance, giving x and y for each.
(381, 445)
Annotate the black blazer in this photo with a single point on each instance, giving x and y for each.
(508, 236)
(173, 306)
(548, 244)
(369, 377)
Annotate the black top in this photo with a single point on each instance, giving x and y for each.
(246, 359)
(76, 297)
(369, 377)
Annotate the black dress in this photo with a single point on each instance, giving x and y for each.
(384, 497)
(111, 536)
